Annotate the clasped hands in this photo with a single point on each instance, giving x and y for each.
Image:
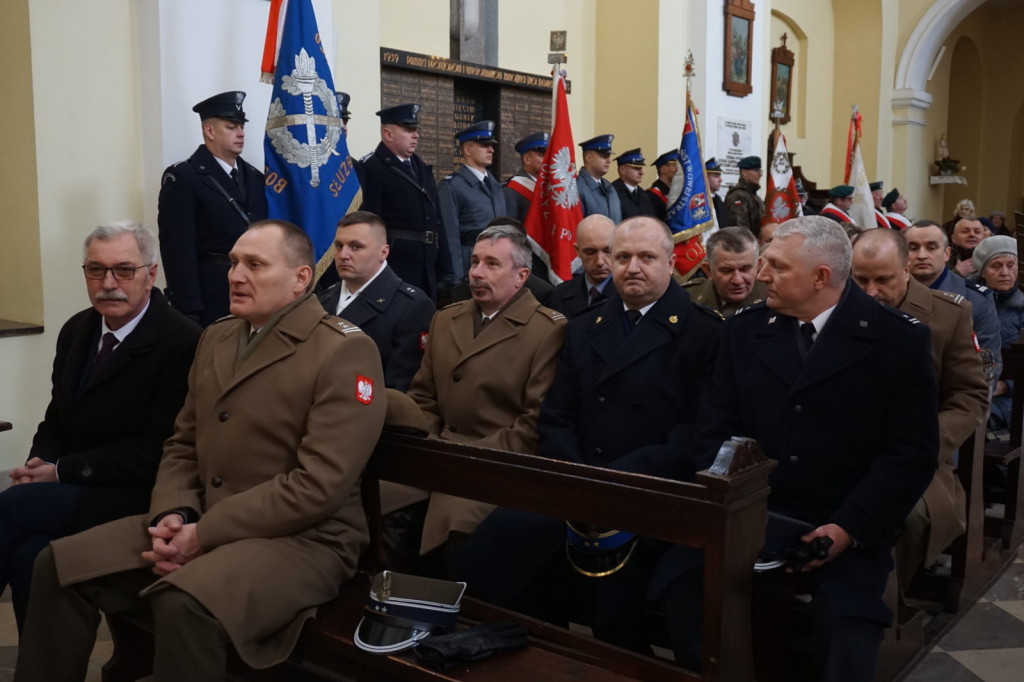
(35, 470)
(175, 543)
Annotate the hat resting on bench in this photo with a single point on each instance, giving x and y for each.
(596, 552)
(404, 609)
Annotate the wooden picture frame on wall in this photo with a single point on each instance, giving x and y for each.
(739, 39)
(782, 80)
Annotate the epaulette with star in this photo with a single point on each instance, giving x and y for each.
(339, 325)
(906, 317)
(979, 287)
(752, 306)
(956, 299)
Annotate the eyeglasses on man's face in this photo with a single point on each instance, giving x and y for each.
(122, 273)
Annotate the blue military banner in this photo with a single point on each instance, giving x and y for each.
(689, 211)
(311, 179)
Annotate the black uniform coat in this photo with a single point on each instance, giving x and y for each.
(637, 202)
(658, 193)
(572, 298)
(396, 316)
(409, 204)
(106, 432)
(853, 426)
(466, 208)
(195, 219)
(621, 399)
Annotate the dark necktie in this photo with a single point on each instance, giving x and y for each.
(109, 341)
(235, 177)
(483, 184)
(407, 165)
(594, 295)
(807, 336)
(633, 316)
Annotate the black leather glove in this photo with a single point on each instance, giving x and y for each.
(446, 652)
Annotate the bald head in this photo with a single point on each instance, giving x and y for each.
(593, 246)
(881, 265)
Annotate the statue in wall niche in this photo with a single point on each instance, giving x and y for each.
(943, 164)
(942, 150)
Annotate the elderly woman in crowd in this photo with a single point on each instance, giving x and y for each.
(964, 209)
(996, 261)
(999, 223)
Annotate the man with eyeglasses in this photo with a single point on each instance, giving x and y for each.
(742, 204)
(119, 379)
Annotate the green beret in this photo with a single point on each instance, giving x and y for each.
(841, 191)
(890, 198)
(750, 163)
(875, 186)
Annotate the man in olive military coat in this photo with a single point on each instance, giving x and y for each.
(881, 266)
(258, 484)
(745, 208)
(205, 204)
(487, 366)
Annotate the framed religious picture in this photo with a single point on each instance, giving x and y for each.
(782, 82)
(739, 37)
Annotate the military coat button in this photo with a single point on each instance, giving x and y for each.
(216, 481)
(793, 459)
(600, 400)
(223, 416)
(456, 378)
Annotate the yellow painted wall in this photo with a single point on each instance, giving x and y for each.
(856, 80)
(88, 159)
(21, 293)
(626, 83)
(420, 26)
(810, 29)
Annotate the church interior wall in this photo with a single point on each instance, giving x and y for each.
(20, 269)
(86, 136)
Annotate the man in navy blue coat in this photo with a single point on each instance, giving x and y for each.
(625, 396)
(400, 188)
(838, 389)
(370, 295)
(95, 454)
(205, 204)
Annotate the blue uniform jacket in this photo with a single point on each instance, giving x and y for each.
(853, 426)
(466, 207)
(408, 204)
(598, 196)
(396, 316)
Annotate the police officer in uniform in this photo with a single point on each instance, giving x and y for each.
(632, 197)
(205, 205)
(400, 188)
(666, 167)
(744, 206)
(518, 189)
(470, 197)
(597, 194)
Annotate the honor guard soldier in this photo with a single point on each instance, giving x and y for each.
(632, 197)
(205, 204)
(330, 276)
(877, 196)
(744, 206)
(666, 166)
(470, 197)
(895, 205)
(714, 173)
(841, 201)
(518, 189)
(597, 194)
(400, 188)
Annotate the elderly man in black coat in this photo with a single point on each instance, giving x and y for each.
(625, 396)
(838, 389)
(119, 379)
(400, 188)
(370, 295)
